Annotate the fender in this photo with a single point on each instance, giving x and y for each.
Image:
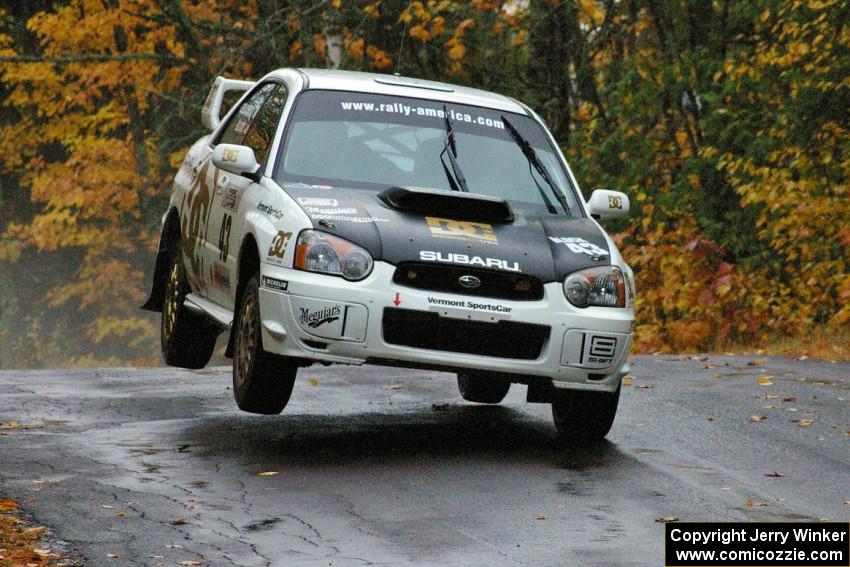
(168, 242)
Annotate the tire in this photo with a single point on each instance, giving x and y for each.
(262, 382)
(584, 417)
(187, 339)
(482, 388)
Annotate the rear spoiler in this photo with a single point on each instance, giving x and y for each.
(211, 112)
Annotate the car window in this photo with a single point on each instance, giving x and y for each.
(360, 140)
(238, 125)
(261, 133)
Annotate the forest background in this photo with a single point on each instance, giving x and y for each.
(726, 122)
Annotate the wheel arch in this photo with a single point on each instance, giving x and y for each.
(248, 263)
(169, 239)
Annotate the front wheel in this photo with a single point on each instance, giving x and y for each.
(187, 339)
(482, 388)
(262, 382)
(582, 416)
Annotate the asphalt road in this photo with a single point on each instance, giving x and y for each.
(378, 466)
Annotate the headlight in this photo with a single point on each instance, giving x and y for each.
(328, 254)
(604, 287)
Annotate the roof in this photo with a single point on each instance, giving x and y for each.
(408, 86)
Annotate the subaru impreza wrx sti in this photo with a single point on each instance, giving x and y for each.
(341, 217)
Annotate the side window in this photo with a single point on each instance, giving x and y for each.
(237, 127)
(261, 133)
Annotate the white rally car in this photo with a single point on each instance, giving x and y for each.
(341, 217)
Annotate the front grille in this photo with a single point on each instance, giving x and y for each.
(505, 339)
(495, 284)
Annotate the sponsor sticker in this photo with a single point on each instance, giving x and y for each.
(221, 276)
(278, 247)
(601, 350)
(230, 198)
(580, 246)
(467, 260)
(461, 230)
(318, 202)
(275, 284)
(314, 318)
(332, 210)
(465, 304)
(269, 210)
(323, 217)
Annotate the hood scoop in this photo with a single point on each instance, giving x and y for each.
(448, 204)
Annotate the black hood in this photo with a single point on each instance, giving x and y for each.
(546, 247)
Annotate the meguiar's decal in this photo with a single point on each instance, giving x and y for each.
(467, 260)
(462, 230)
(278, 246)
(319, 317)
(581, 246)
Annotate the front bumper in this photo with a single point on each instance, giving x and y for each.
(328, 319)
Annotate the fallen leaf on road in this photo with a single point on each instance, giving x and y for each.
(179, 522)
(750, 503)
(770, 397)
(42, 552)
(765, 380)
(768, 407)
(805, 422)
(188, 562)
(710, 418)
(791, 409)
(113, 555)
(394, 387)
(801, 357)
(627, 381)
(539, 517)
(314, 382)
(644, 386)
(33, 533)
(757, 418)
(666, 520)
(268, 473)
(789, 399)
(121, 514)
(847, 502)
(774, 474)
(7, 505)
(107, 506)
(757, 362)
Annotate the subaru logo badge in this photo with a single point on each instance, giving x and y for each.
(469, 282)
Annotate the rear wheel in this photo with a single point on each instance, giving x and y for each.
(584, 417)
(187, 339)
(262, 382)
(482, 388)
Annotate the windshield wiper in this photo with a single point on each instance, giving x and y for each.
(534, 161)
(456, 181)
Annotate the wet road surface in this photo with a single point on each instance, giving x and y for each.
(380, 466)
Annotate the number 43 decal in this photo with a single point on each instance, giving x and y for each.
(224, 237)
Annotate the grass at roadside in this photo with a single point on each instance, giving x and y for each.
(19, 544)
(824, 343)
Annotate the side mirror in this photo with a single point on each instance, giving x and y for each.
(235, 159)
(605, 204)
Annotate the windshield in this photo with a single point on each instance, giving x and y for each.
(371, 141)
